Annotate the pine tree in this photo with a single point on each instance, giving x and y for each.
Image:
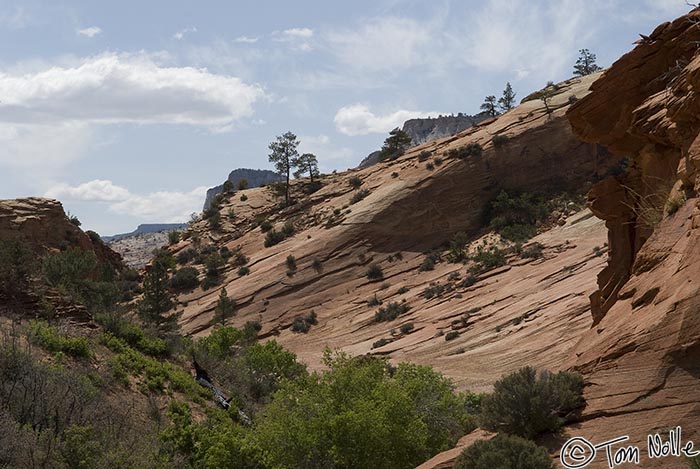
(307, 163)
(507, 100)
(224, 308)
(157, 300)
(283, 154)
(585, 65)
(395, 145)
(489, 106)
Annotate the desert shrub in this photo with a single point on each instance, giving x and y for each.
(431, 258)
(457, 244)
(487, 258)
(437, 161)
(239, 259)
(288, 229)
(471, 149)
(94, 236)
(174, 237)
(355, 182)
(406, 328)
(186, 256)
(17, 264)
(504, 451)
(435, 289)
(499, 140)
(244, 197)
(402, 290)
(243, 270)
(375, 272)
(394, 174)
(514, 216)
(317, 265)
(227, 186)
(74, 220)
(273, 237)
(291, 263)
(374, 301)
(532, 251)
(49, 338)
(381, 342)
(209, 282)
(265, 226)
(528, 405)
(676, 202)
(302, 324)
(391, 311)
(359, 195)
(451, 335)
(424, 155)
(215, 221)
(185, 279)
(429, 166)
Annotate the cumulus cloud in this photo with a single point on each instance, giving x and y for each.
(96, 190)
(92, 31)
(358, 119)
(179, 35)
(122, 88)
(167, 206)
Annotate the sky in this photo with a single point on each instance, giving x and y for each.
(128, 111)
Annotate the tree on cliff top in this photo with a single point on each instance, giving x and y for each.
(395, 145)
(489, 106)
(507, 100)
(307, 163)
(585, 65)
(283, 154)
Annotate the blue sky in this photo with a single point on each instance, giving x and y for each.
(127, 111)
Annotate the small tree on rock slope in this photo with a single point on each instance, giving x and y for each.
(283, 153)
(585, 65)
(395, 145)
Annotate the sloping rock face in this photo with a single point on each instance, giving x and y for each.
(527, 312)
(255, 178)
(642, 358)
(43, 224)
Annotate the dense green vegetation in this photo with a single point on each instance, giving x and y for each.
(504, 452)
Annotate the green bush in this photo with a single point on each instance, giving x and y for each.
(487, 258)
(17, 264)
(431, 258)
(451, 335)
(174, 237)
(424, 155)
(435, 289)
(375, 272)
(361, 414)
(514, 215)
(265, 226)
(244, 197)
(504, 452)
(273, 237)
(186, 256)
(49, 338)
(391, 311)
(243, 271)
(429, 166)
(528, 405)
(533, 251)
(185, 279)
(406, 328)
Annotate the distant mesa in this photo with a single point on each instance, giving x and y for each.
(255, 178)
(431, 128)
(145, 228)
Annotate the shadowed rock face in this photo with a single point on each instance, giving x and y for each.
(642, 358)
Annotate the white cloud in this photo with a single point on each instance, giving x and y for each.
(166, 206)
(92, 31)
(297, 38)
(246, 40)
(298, 33)
(358, 119)
(122, 88)
(328, 154)
(95, 190)
(384, 44)
(179, 35)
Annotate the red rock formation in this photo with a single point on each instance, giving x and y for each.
(642, 359)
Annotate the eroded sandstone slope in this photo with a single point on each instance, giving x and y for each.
(528, 312)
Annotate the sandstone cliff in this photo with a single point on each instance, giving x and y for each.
(527, 312)
(642, 357)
